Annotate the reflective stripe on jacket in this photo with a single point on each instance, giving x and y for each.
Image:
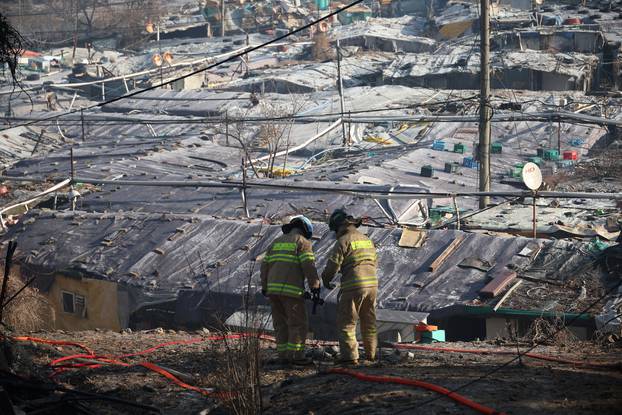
(354, 255)
(286, 265)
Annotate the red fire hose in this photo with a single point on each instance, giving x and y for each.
(506, 352)
(419, 384)
(53, 342)
(94, 361)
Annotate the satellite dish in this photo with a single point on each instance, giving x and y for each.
(157, 60)
(532, 176)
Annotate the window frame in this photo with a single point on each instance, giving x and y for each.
(74, 303)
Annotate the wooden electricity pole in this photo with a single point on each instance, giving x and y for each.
(346, 139)
(75, 37)
(484, 104)
(222, 18)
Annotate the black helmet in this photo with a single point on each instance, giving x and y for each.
(339, 218)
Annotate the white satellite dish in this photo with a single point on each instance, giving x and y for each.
(532, 176)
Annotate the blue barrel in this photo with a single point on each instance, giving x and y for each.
(322, 4)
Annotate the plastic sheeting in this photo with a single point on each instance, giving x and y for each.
(155, 256)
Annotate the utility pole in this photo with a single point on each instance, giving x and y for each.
(21, 17)
(559, 137)
(222, 18)
(484, 104)
(75, 36)
(346, 139)
(160, 52)
(82, 121)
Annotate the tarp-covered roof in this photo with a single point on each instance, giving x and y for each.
(165, 253)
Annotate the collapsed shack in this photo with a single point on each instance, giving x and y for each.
(523, 70)
(141, 270)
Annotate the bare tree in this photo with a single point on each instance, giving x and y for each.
(271, 137)
(11, 46)
(243, 134)
(88, 19)
(84, 12)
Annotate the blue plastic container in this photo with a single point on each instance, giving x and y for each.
(470, 162)
(435, 336)
(322, 4)
(438, 145)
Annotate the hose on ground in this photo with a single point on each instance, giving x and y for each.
(89, 359)
(419, 384)
(507, 352)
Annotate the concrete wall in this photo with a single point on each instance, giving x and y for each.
(511, 78)
(101, 300)
(192, 82)
(371, 42)
(498, 327)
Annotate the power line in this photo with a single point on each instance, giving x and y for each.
(367, 190)
(229, 59)
(217, 120)
(569, 118)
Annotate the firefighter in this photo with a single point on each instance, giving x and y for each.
(354, 255)
(286, 265)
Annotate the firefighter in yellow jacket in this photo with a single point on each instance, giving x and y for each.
(286, 265)
(354, 255)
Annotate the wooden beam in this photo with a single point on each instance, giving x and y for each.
(446, 253)
(498, 284)
(506, 295)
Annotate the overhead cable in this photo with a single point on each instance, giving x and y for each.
(567, 117)
(367, 190)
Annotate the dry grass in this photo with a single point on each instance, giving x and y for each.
(240, 373)
(550, 332)
(29, 311)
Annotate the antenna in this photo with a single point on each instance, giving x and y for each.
(532, 176)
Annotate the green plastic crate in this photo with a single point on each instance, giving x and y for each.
(551, 155)
(451, 167)
(536, 160)
(459, 148)
(427, 171)
(517, 170)
(496, 148)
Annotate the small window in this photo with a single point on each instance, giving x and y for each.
(74, 303)
(68, 306)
